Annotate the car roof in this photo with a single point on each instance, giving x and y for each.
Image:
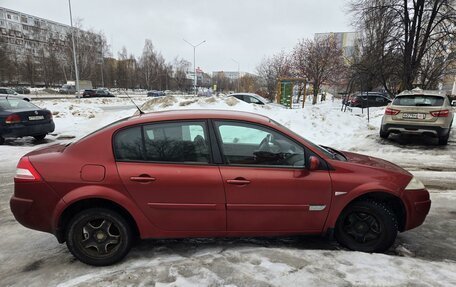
(420, 92)
(240, 94)
(196, 114)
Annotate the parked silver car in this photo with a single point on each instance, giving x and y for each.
(419, 112)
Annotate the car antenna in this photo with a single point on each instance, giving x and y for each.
(140, 112)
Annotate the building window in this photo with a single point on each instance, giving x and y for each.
(8, 16)
(23, 19)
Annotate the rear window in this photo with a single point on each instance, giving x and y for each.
(11, 104)
(417, 101)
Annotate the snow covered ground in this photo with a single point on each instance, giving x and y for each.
(424, 256)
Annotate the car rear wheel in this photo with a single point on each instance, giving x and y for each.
(98, 237)
(2, 140)
(443, 140)
(366, 226)
(383, 134)
(40, 137)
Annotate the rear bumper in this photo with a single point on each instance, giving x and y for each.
(415, 129)
(418, 206)
(33, 205)
(20, 130)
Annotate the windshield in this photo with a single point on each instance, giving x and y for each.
(263, 99)
(415, 101)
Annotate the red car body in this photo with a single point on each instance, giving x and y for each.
(165, 200)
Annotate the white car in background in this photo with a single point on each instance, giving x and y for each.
(252, 98)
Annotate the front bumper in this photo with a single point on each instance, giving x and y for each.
(21, 130)
(418, 206)
(415, 129)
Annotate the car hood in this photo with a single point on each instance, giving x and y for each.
(374, 162)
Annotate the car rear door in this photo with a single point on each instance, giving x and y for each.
(268, 188)
(166, 167)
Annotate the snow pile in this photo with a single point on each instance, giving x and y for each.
(323, 123)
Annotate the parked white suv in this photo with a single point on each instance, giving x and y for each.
(419, 112)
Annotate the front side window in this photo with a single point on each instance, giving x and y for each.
(176, 142)
(249, 144)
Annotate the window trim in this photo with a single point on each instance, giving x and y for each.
(143, 160)
(307, 152)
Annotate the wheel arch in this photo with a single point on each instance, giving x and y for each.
(71, 210)
(389, 199)
(98, 196)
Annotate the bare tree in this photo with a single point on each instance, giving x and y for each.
(410, 30)
(181, 66)
(271, 69)
(320, 60)
(151, 65)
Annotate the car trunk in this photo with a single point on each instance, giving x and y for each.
(419, 114)
(31, 117)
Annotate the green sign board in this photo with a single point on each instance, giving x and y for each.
(286, 95)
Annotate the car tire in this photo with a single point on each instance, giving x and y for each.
(444, 139)
(2, 140)
(366, 226)
(40, 137)
(98, 237)
(383, 134)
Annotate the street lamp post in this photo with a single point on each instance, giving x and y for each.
(239, 75)
(194, 63)
(74, 51)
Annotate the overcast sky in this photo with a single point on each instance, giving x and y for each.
(243, 30)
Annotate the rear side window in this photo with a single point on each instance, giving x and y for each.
(176, 142)
(417, 101)
(128, 144)
(184, 142)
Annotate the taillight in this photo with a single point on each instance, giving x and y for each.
(13, 119)
(442, 113)
(25, 172)
(391, 112)
(49, 116)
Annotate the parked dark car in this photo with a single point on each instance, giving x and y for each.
(20, 118)
(155, 93)
(88, 93)
(22, 90)
(209, 173)
(103, 92)
(364, 100)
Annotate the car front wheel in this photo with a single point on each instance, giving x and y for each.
(366, 226)
(98, 237)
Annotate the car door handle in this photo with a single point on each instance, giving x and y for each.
(142, 178)
(238, 181)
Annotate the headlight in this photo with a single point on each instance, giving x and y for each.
(415, 184)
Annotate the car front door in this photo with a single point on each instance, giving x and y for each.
(166, 167)
(267, 186)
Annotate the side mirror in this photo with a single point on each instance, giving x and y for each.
(314, 163)
(453, 103)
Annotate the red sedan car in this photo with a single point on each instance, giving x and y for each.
(201, 173)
